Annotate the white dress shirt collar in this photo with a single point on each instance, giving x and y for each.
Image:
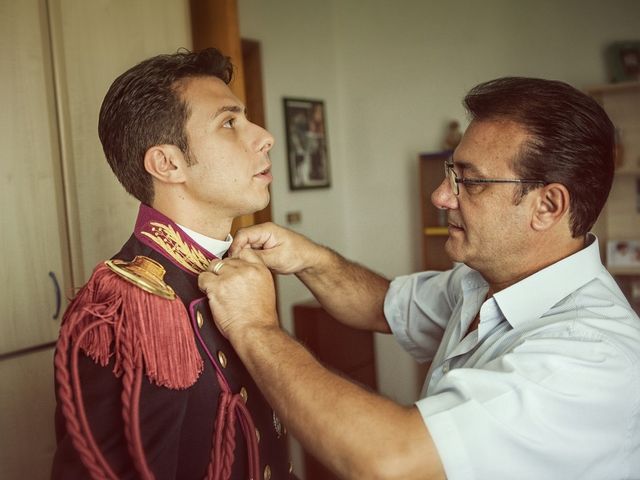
(212, 245)
(536, 294)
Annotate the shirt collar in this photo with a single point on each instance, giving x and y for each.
(213, 245)
(533, 296)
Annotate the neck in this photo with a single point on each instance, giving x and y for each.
(527, 265)
(207, 223)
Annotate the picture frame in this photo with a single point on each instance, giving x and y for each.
(307, 144)
(623, 59)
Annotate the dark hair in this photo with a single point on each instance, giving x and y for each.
(144, 107)
(571, 139)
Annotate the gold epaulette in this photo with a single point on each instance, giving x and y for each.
(144, 273)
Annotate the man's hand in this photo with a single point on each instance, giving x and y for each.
(282, 250)
(241, 293)
(349, 292)
(381, 439)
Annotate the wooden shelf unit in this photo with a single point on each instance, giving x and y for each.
(434, 229)
(620, 219)
(342, 349)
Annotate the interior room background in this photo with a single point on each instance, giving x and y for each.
(392, 73)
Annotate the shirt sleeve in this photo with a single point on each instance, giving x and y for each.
(549, 408)
(418, 308)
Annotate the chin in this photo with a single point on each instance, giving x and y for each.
(450, 250)
(455, 255)
(255, 206)
(262, 204)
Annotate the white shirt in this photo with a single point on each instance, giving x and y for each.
(548, 387)
(211, 245)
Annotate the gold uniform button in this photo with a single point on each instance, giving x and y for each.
(244, 394)
(199, 319)
(222, 358)
(258, 435)
(290, 467)
(277, 425)
(267, 473)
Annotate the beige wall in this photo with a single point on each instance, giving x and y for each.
(392, 73)
(299, 60)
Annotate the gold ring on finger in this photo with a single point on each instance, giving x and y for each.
(217, 267)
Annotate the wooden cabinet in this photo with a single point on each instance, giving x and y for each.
(620, 220)
(63, 210)
(35, 260)
(434, 221)
(341, 349)
(93, 43)
(26, 422)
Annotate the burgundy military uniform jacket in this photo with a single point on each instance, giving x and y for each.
(176, 425)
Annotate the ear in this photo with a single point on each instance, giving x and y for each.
(165, 163)
(551, 206)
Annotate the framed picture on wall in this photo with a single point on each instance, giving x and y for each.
(307, 147)
(624, 61)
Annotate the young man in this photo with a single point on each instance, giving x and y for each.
(535, 351)
(146, 385)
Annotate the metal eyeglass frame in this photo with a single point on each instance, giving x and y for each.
(451, 174)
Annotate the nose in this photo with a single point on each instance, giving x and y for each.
(265, 140)
(443, 197)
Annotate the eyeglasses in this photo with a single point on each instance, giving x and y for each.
(451, 174)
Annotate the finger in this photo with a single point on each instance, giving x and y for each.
(206, 281)
(250, 256)
(248, 236)
(261, 236)
(215, 266)
(236, 254)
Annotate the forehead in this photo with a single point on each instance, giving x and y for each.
(490, 143)
(207, 94)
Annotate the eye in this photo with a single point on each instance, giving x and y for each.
(474, 188)
(229, 123)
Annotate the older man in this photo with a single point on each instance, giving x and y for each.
(535, 351)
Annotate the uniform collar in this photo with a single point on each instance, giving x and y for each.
(531, 297)
(167, 238)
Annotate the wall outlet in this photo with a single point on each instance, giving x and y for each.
(294, 218)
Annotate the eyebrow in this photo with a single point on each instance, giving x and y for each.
(230, 108)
